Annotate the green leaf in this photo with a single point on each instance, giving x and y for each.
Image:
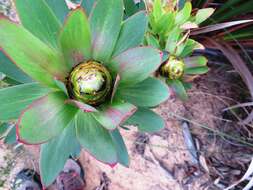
(30, 54)
(195, 61)
(165, 23)
(152, 41)
(75, 38)
(56, 152)
(148, 93)
(113, 114)
(178, 88)
(38, 18)
(16, 98)
(173, 39)
(3, 128)
(196, 70)
(189, 47)
(157, 9)
(94, 138)
(45, 119)
(11, 139)
(132, 32)
(59, 7)
(136, 64)
(105, 23)
(11, 70)
(203, 14)
(146, 120)
(184, 14)
(88, 5)
(130, 7)
(121, 148)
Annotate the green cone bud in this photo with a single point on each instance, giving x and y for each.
(90, 83)
(173, 68)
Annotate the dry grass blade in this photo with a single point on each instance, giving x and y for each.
(246, 176)
(240, 66)
(220, 26)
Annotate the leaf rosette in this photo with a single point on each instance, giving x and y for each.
(92, 75)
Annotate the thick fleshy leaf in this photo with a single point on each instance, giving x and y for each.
(75, 38)
(178, 88)
(184, 14)
(10, 138)
(38, 18)
(11, 70)
(173, 40)
(113, 114)
(94, 138)
(136, 64)
(146, 120)
(16, 98)
(123, 156)
(132, 32)
(203, 14)
(82, 106)
(30, 54)
(105, 21)
(45, 119)
(189, 47)
(88, 5)
(3, 129)
(149, 93)
(59, 7)
(196, 70)
(195, 61)
(56, 152)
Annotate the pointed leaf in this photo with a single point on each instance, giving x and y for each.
(135, 65)
(112, 115)
(59, 7)
(123, 156)
(38, 18)
(16, 98)
(11, 139)
(132, 32)
(12, 71)
(146, 120)
(196, 70)
(105, 23)
(203, 14)
(81, 106)
(184, 14)
(173, 39)
(189, 47)
(130, 7)
(178, 88)
(88, 5)
(56, 152)
(45, 119)
(149, 93)
(30, 54)
(95, 139)
(75, 38)
(195, 61)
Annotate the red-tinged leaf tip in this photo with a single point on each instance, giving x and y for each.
(113, 165)
(161, 55)
(84, 107)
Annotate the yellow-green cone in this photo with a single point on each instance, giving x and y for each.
(90, 82)
(173, 68)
